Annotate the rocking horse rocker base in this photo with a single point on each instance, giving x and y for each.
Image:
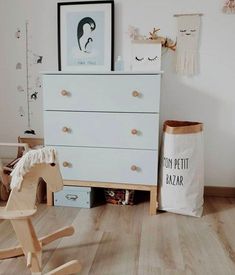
(19, 210)
(68, 268)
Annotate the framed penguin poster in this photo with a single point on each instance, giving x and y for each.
(85, 35)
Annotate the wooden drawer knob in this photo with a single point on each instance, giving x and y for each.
(65, 129)
(64, 93)
(134, 168)
(135, 94)
(134, 132)
(65, 164)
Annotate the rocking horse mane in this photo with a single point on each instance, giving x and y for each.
(31, 158)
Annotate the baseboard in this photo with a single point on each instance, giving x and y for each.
(214, 191)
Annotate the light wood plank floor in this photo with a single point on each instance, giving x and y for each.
(125, 240)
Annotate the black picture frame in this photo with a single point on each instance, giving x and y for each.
(76, 18)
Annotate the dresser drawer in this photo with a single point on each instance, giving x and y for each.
(108, 165)
(114, 93)
(119, 130)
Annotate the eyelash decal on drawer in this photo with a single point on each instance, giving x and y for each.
(139, 59)
(153, 59)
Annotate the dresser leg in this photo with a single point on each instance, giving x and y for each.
(153, 201)
(49, 197)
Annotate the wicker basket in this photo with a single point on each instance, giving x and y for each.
(119, 196)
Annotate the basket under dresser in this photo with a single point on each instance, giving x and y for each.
(105, 127)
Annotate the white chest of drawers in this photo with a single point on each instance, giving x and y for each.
(105, 128)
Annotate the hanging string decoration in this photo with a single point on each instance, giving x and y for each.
(229, 6)
(33, 84)
(187, 44)
(18, 33)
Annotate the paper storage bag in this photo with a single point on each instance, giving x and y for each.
(182, 168)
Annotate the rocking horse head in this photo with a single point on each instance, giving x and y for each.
(52, 176)
(35, 164)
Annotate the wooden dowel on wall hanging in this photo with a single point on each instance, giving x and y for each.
(188, 14)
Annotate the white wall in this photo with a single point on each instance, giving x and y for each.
(208, 97)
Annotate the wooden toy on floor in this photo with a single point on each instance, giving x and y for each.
(21, 207)
(23, 146)
(5, 170)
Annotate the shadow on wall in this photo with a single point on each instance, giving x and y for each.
(180, 101)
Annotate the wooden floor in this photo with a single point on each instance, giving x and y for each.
(125, 240)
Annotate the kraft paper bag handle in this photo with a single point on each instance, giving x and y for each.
(182, 127)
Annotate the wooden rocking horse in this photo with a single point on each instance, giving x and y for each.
(21, 207)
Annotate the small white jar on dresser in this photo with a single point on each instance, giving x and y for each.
(105, 127)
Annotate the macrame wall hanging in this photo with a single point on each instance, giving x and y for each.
(187, 44)
(229, 6)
